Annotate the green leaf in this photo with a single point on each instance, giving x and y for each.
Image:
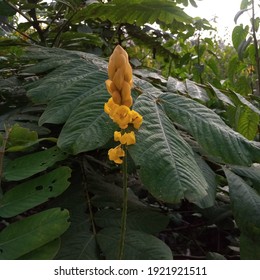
(221, 96)
(243, 46)
(175, 86)
(247, 122)
(252, 172)
(245, 204)
(141, 219)
(78, 242)
(239, 13)
(21, 136)
(238, 99)
(30, 233)
(215, 137)
(239, 34)
(244, 4)
(167, 165)
(136, 11)
(88, 127)
(34, 192)
(75, 93)
(249, 248)
(196, 91)
(26, 166)
(69, 76)
(210, 176)
(45, 252)
(138, 245)
(6, 10)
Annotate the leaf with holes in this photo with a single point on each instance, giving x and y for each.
(28, 234)
(167, 165)
(34, 192)
(215, 137)
(26, 166)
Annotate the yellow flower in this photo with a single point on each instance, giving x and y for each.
(110, 107)
(116, 153)
(122, 116)
(120, 77)
(128, 138)
(137, 119)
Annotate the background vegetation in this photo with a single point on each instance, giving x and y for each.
(194, 178)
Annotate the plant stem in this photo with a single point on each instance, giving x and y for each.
(256, 50)
(124, 211)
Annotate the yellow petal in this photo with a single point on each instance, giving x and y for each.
(118, 78)
(117, 136)
(111, 68)
(116, 153)
(137, 119)
(128, 138)
(122, 116)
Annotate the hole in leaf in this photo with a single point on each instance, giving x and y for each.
(1, 251)
(38, 188)
(54, 181)
(50, 188)
(43, 163)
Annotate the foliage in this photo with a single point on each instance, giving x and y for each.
(197, 152)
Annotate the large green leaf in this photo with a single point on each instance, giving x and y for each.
(135, 11)
(88, 126)
(141, 219)
(30, 233)
(75, 93)
(167, 165)
(26, 166)
(209, 130)
(70, 76)
(245, 204)
(138, 245)
(45, 252)
(34, 192)
(252, 173)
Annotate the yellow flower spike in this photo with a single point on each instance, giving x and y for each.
(137, 119)
(116, 153)
(122, 116)
(120, 77)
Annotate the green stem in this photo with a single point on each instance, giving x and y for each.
(124, 211)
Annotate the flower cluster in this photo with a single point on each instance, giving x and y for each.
(118, 106)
